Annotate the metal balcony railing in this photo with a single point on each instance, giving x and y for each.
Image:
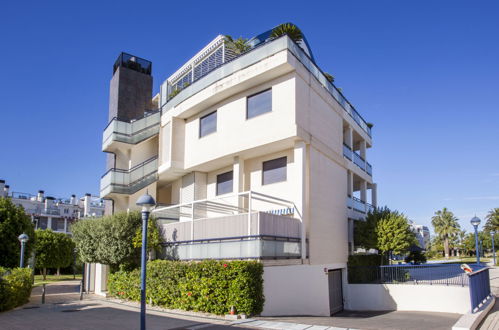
(357, 159)
(359, 205)
(51, 211)
(129, 181)
(131, 132)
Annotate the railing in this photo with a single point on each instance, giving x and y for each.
(51, 211)
(132, 132)
(357, 159)
(359, 205)
(431, 274)
(479, 282)
(129, 181)
(255, 55)
(133, 62)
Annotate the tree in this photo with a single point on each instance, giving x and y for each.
(238, 46)
(153, 237)
(365, 231)
(446, 226)
(53, 250)
(394, 234)
(287, 28)
(13, 222)
(110, 240)
(492, 220)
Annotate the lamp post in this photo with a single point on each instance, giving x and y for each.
(492, 233)
(23, 238)
(147, 203)
(475, 221)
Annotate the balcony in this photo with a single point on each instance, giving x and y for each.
(131, 132)
(357, 160)
(251, 57)
(247, 225)
(358, 209)
(119, 181)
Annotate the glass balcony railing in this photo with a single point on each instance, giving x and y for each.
(253, 56)
(357, 159)
(132, 132)
(359, 205)
(129, 181)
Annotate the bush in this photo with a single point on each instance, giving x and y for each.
(416, 257)
(207, 286)
(364, 268)
(15, 287)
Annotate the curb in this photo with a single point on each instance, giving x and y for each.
(471, 321)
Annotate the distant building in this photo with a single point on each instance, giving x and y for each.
(54, 213)
(422, 234)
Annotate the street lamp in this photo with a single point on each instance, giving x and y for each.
(492, 233)
(475, 221)
(23, 238)
(147, 203)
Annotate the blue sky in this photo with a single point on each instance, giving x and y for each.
(426, 73)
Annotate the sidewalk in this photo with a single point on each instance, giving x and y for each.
(491, 322)
(63, 310)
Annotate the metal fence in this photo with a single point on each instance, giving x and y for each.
(432, 274)
(479, 288)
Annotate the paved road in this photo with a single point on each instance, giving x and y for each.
(63, 310)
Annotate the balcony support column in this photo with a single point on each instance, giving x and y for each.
(49, 223)
(349, 183)
(300, 159)
(363, 191)
(349, 137)
(65, 225)
(374, 194)
(238, 180)
(363, 153)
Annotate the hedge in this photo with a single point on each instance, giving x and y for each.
(15, 287)
(206, 286)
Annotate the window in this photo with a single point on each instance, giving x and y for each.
(224, 183)
(259, 104)
(274, 170)
(208, 124)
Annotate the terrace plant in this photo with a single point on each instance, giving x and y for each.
(238, 46)
(287, 28)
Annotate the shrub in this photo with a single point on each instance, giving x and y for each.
(207, 286)
(15, 287)
(416, 257)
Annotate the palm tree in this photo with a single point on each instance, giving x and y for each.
(238, 46)
(492, 220)
(446, 227)
(287, 28)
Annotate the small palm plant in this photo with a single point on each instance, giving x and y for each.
(238, 46)
(287, 28)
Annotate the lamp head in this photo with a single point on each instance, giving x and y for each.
(475, 221)
(492, 232)
(147, 202)
(23, 238)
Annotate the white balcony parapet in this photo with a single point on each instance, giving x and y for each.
(131, 132)
(243, 225)
(253, 56)
(129, 181)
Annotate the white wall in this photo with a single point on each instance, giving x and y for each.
(407, 297)
(297, 290)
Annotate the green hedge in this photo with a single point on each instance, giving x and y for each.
(15, 287)
(207, 286)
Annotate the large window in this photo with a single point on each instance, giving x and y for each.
(224, 183)
(274, 170)
(208, 124)
(259, 104)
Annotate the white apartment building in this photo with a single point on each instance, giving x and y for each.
(58, 214)
(422, 234)
(251, 156)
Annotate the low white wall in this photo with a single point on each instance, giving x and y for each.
(407, 297)
(296, 290)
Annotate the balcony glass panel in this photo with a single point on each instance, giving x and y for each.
(359, 161)
(347, 152)
(133, 132)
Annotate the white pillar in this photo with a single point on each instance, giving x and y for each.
(374, 194)
(300, 163)
(350, 183)
(65, 225)
(86, 205)
(49, 223)
(238, 179)
(349, 141)
(363, 148)
(363, 191)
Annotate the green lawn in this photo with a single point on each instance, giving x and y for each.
(462, 259)
(54, 278)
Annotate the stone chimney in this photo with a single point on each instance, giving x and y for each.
(73, 200)
(49, 202)
(6, 190)
(40, 196)
(2, 188)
